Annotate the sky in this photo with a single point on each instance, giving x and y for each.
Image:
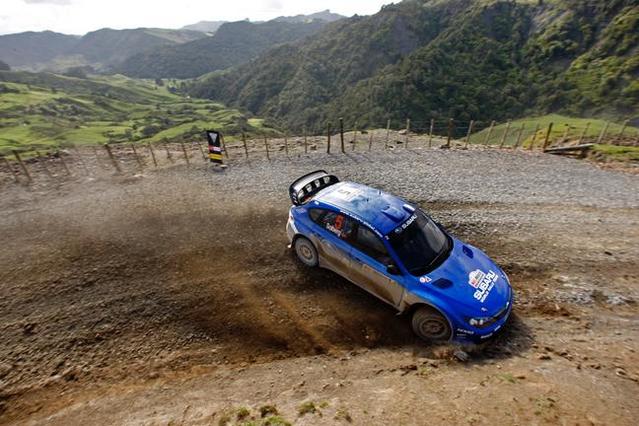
(82, 16)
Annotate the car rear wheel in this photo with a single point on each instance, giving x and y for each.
(306, 252)
(430, 325)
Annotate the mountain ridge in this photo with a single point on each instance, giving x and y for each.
(481, 60)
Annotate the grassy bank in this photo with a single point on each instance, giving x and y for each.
(41, 110)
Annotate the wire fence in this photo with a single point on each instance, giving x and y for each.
(69, 161)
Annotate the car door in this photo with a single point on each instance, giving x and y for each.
(369, 264)
(330, 237)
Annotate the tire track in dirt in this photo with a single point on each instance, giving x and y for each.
(318, 343)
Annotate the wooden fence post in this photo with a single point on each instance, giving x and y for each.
(565, 136)
(10, 167)
(186, 156)
(450, 132)
(199, 145)
(268, 156)
(245, 147)
(137, 157)
(388, 123)
(341, 133)
(534, 138)
(547, 140)
(490, 132)
(328, 146)
(430, 133)
(503, 138)
(226, 153)
(286, 143)
(114, 161)
(407, 133)
(155, 161)
(305, 142)
(470, 130)
(44, 165)
(521, 132)
(22, 165)
(64, 163)
(354, 137)
(623, 129)
(168, 152)
(583, 134)
(602, 135)
(370, 141)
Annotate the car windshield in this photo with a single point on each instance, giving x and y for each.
(420, 244)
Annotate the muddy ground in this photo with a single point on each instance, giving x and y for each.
(172, 299)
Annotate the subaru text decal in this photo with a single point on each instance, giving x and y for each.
(483, 282)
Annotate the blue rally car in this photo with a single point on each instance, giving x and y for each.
(395, 251)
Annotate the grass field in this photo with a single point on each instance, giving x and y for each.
(571, 127)
(43, 111)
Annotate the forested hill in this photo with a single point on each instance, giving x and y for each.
(481, 59)
(234, 43)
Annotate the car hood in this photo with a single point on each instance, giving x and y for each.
(470, 278)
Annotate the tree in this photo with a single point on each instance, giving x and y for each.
(4, 66)
(159, 82)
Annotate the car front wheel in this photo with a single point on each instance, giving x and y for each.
(306, 252)
(430, 325)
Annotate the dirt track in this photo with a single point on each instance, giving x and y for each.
(138, 298)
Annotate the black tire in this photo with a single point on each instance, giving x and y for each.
(306, 252)
(430, 325)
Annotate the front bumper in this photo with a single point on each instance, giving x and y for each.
(469, 334)
(291, 230)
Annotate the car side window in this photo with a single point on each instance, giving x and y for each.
(316, 214)
(340, 225)
(370, 244)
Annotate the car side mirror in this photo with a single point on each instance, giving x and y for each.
(392, 269)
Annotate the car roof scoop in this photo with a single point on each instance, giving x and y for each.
(393, 213)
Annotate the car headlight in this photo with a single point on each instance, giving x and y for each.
(481, 322)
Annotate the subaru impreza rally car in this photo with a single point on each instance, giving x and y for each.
(395, 251)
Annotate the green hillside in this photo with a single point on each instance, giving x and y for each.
(571, 127)
(39, 110)
(467, 59)
(232, 44)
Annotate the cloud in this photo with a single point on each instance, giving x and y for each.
(273, 5)
(59, 2)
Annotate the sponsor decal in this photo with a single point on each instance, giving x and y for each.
(425, 280)
(348, 194)
(406, 224)
(483, 282)
(464, 331)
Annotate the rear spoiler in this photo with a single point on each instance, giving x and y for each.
(308, 185)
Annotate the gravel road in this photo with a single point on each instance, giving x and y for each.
(485, 176)
(117, 291)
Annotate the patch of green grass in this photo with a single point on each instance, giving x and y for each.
(242, 413)
(268, 410)
(307, 407)
(615, 152)
(507, 377)
(571, 127)
(276, 421)
(343, 414)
